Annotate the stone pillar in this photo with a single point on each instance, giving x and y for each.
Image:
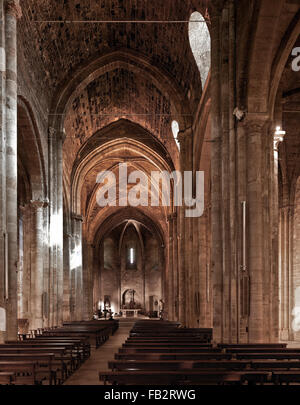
(46, 262)
(285, 271)
(170, 273)
(87, 276)
(2, 166)
(175, 266)
(37, 265)
(259, 235)
(12, 13)
(76, 266)
(59, 241)
(67, 275)
(216, 196)
(202, 272)
(53, 229)
(186, 235)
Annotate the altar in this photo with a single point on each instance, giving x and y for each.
(127, 313)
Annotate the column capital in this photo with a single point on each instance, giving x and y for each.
(77, 217)
(278, 137)
(23, 207)
(255, 123)
(13, 8)
(52, 132)
(39, 203)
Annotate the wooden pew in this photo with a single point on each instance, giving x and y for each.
(167, 349)
(25, 371)
(80, 343)
(173, 365)
(71, 349)
(286, 377)
(7, 378)
(113, 325)
(183, 377)
(274, 365)
(45, 367)
(173, 356)
(205, 337)
(96, 335)
(161, 345)
(62, 360)
(263, 350)
(274, 356)
(253, 345)
(158, 339)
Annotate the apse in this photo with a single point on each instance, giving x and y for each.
(129, 270)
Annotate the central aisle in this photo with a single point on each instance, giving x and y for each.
(88, 372)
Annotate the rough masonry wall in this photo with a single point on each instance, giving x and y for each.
(296, 265)
(153, 271)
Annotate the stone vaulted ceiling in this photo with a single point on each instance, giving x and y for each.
(63, 42)
(290, 88)
(62, 38)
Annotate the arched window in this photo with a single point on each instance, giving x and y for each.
(199, 37)
(175, 130)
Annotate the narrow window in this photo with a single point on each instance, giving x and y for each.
(131, 263)
(175, 130)
(131, 254)
(199, 38)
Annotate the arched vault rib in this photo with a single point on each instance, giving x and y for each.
(281, 58)
(132, 60)
(107, 150)
(122, 215)
(166, 209)
(138, 231)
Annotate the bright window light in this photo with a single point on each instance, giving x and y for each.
(131, 253)
(175, 130)
(199, 37)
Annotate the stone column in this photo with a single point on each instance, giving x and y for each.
(76, 265)
(170, 273)
(285, 272)
(12, 13)
(216, 173)
(175, 265)
(37, 267)
(53, 229)
(59, 241)
(46, 261)
(258, 201)
(186, 233)
(88, 261)
(67, 276)
(202, 271)
(2, 166)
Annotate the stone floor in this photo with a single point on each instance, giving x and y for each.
(89, 371)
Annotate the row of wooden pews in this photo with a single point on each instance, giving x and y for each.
(162, 353)
(49, 356)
